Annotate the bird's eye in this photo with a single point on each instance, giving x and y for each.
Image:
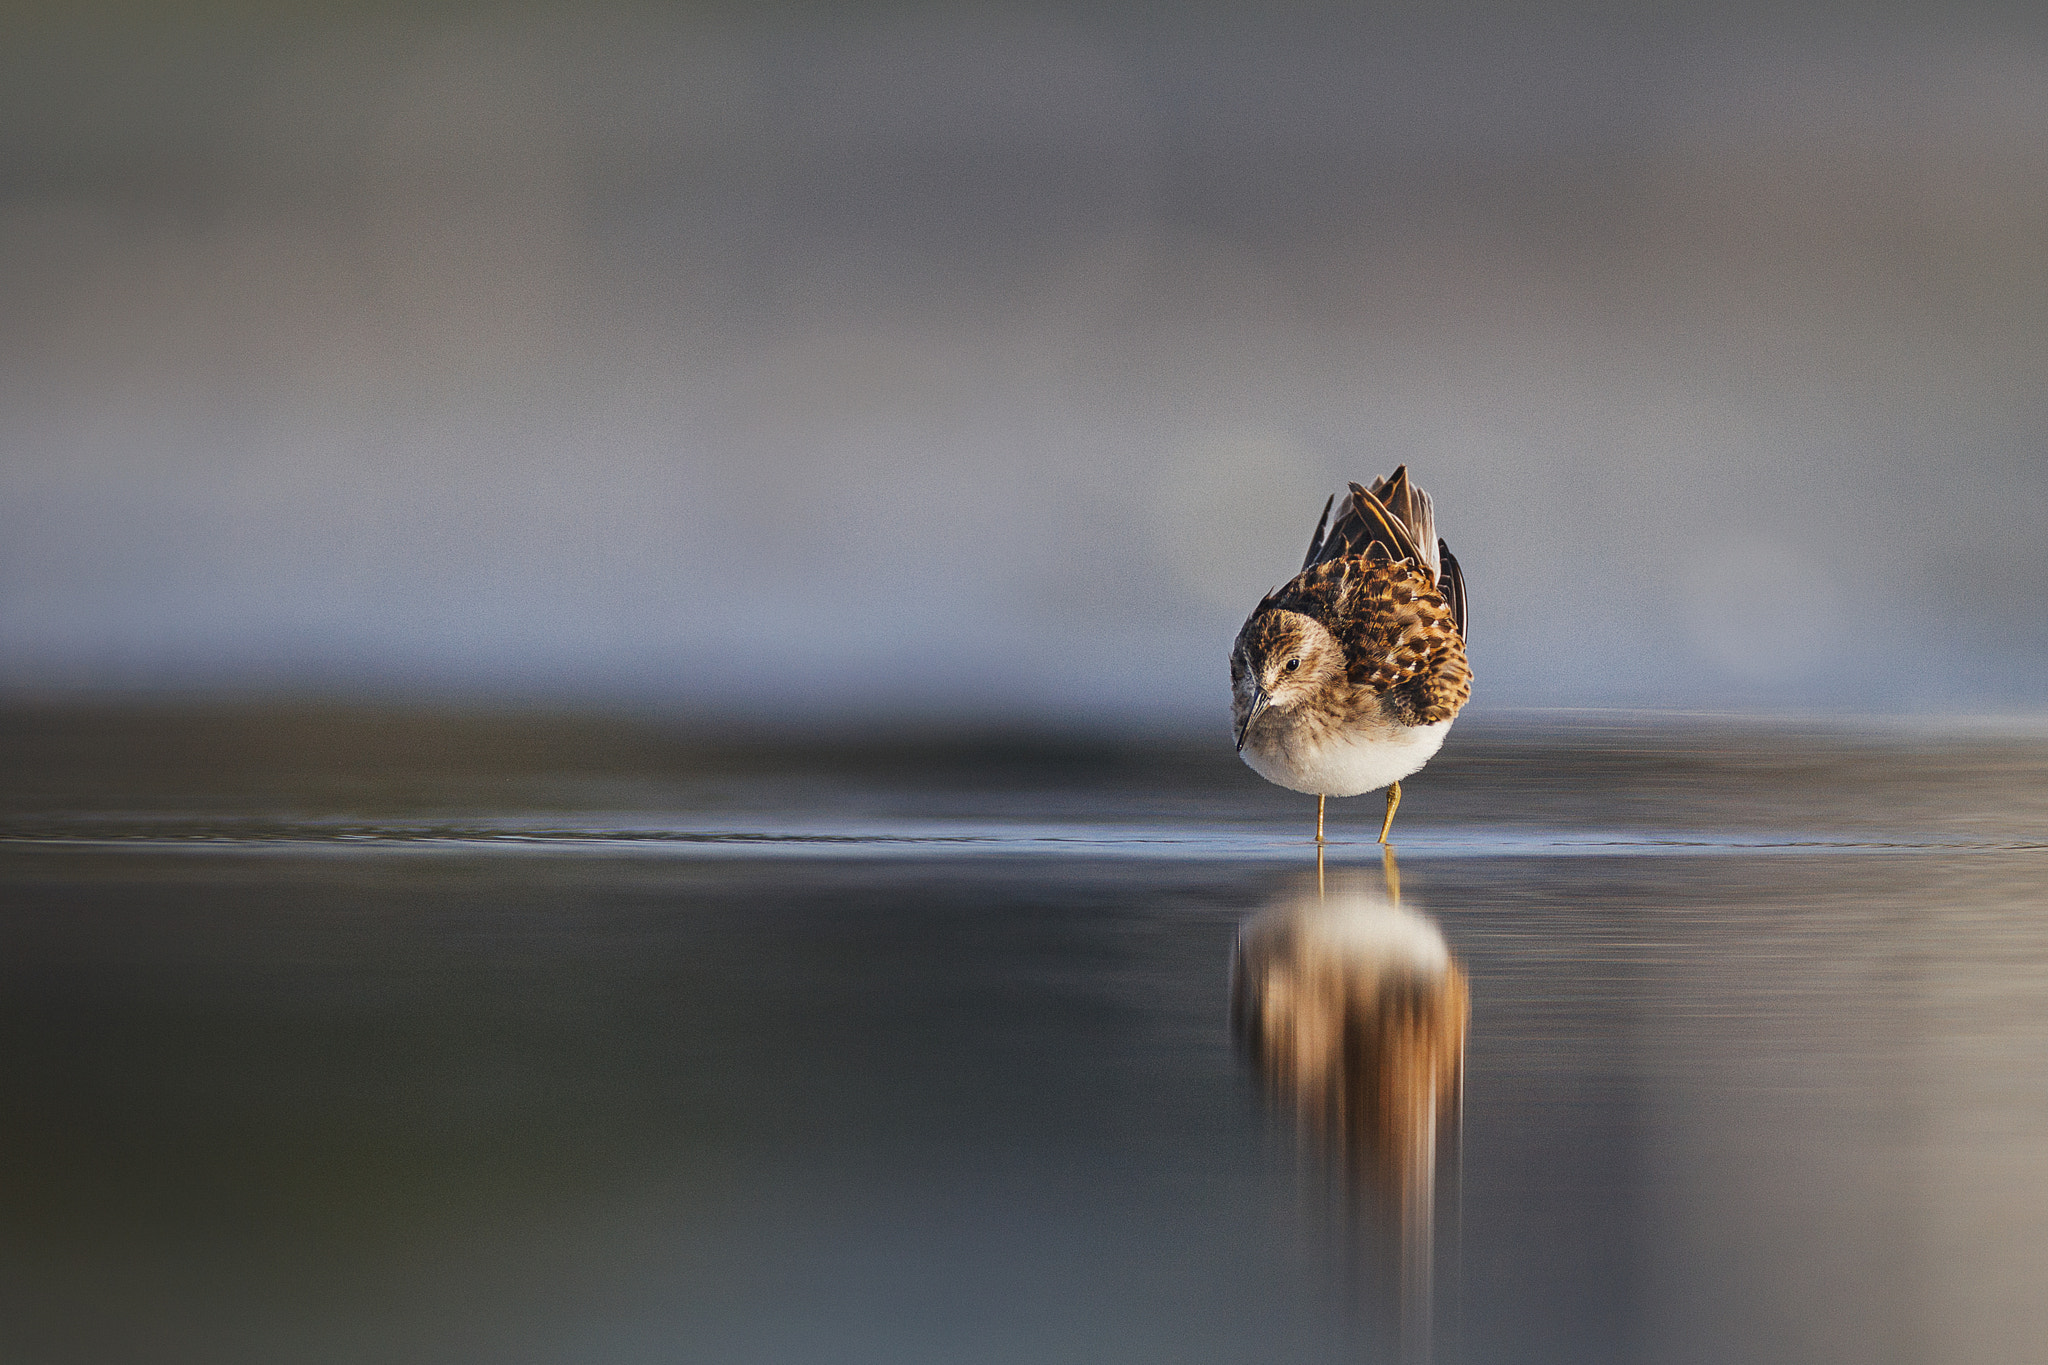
(1293, 664)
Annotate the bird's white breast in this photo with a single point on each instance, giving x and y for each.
(1341, 762)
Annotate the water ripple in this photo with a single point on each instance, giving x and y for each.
(686, 837)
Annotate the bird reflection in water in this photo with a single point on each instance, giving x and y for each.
(1353, 1011)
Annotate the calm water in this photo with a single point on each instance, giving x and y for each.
(345, 1038)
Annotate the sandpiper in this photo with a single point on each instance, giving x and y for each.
(1345, 679)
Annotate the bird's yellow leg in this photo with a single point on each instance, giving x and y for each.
(1393, 803)
(1319, 817)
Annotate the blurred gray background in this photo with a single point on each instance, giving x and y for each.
(991, 361)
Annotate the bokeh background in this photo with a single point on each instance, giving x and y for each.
(991, 360)
(489, 494)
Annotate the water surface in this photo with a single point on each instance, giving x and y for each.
(335, 1038)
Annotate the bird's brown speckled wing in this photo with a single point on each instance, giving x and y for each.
(1400, 634)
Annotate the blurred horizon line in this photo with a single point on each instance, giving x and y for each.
(751, 723)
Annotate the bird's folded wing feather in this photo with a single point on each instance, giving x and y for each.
(1417, 515)
(1452, 581)
(1362, 523)
(1393, 514)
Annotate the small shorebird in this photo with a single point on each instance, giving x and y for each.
(1346, 678)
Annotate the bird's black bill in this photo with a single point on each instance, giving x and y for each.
(1258, 706)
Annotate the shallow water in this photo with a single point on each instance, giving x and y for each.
(342, 1038)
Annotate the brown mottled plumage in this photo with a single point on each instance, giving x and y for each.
(1344, 679)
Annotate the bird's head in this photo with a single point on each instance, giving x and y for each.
(1281, 659)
